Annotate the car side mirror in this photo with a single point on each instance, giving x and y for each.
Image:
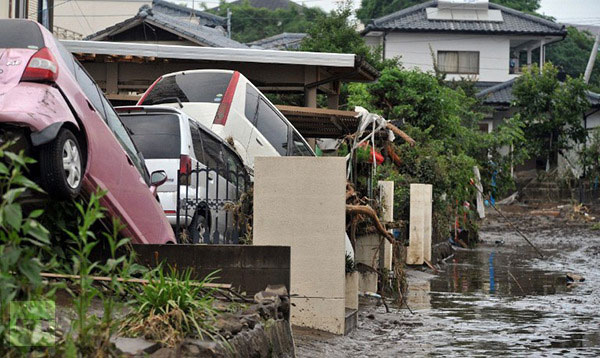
(158, 178)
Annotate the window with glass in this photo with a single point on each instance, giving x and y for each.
(458, 62)
(203, 87)
(251, 109)
(299, 148)
(150, 129)
(272, 127)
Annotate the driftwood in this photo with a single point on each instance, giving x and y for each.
(370, 212)
(393, 155)
(225, 286)
(397, 131)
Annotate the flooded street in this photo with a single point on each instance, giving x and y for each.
(496, 300)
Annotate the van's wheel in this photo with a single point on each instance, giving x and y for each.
(197, 227)
(61, 166)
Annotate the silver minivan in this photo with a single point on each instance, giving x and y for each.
(211, 172)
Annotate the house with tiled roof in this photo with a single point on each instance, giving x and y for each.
(169, 24)
(466, 39)
(283, 41)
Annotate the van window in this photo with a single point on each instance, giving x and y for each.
(20, 34)
(155, 134)
(197, 142)
(214, 152)
(251, 103)
(191, 87)
(272, 127)
(299, 148)
(237, 171)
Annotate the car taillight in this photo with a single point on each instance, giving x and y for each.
(185, 164)
(148, 91)
(42, 67)
(225, 106)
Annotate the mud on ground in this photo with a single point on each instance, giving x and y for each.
(497, 300)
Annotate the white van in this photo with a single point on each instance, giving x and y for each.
(170, 140)
(229, 105)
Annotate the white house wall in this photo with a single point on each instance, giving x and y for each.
(414, 51)
(86, 17)
(593, 121)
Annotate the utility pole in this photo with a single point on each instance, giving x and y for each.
(590, 65)
(229, 22)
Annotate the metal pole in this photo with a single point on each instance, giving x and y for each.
(228, 23)
(592, 60)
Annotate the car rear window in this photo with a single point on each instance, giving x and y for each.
(157, 136)
(20, 34)
(191, 87)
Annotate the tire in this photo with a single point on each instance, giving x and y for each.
(197, 228)
(61, 166)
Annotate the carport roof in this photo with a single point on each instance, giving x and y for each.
(220, 54)
(125, 70)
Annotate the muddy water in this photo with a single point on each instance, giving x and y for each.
(496, 300)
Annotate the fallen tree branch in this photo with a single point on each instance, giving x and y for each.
(370, 212)
(393, 155)
(397, 131)
(225, 286)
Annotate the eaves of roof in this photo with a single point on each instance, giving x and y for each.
(185, 11)
(199, 34)
(414, 19)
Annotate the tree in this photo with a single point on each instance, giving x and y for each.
(372, 9)
(551, 111)
(571, 55)
(249, 23)
(335, 33)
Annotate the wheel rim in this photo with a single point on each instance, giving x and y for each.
(72, 163)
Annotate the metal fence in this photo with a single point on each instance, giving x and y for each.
(210, 194)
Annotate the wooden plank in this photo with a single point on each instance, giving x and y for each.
(224, 286)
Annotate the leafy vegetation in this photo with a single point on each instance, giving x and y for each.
(171, 307)
(550, 112)
(27, 302)
(22, 240)
(250, 24)
(571, 55)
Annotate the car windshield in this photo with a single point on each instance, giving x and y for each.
(156, 135)
(20, 34)
(190, 87)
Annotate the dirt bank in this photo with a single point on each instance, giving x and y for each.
(496, 300)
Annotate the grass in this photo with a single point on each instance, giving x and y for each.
(171, 307)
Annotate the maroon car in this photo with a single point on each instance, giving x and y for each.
(63, 120)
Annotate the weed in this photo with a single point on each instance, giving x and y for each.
(171, 307)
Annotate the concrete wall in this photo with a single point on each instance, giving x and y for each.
(89, 16)
(300, 202)
(414, 51)
(4, 9)
(419, 248)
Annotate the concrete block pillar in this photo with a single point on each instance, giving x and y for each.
(352, 290)
(301, 202)
(386, 198)
(419, 248)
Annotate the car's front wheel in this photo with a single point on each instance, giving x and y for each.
(61, 166)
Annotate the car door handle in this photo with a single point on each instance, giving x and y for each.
(129, 160)
(258, 141)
